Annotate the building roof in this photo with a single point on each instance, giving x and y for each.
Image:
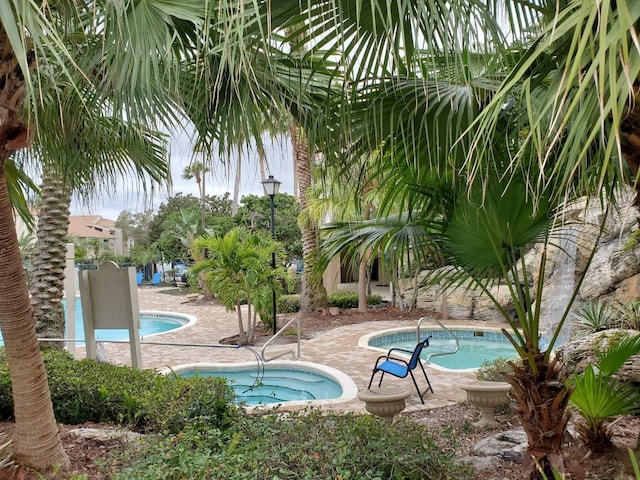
(91, 226)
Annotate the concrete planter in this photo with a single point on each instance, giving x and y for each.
(384, 402)
(487, 396)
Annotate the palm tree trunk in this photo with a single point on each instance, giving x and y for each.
(363, 268)
(541, 400)
(363, 281)
(236, 186)
(242, 336)
(47, 287)
(313, 294)
(36, 440)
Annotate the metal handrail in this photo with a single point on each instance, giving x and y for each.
(282, 329)
(438, 354)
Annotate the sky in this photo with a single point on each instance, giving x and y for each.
(218, 181)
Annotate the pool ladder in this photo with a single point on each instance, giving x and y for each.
(437, 354)
(294, 355)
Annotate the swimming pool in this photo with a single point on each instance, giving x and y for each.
(476, 346)
(292, 383)
(151, 323)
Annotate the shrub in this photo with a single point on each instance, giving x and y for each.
(348, 299)
(593, 317)
(289, 303)
(493, 370)
(303, 445)
(629, 313)
(92, 391)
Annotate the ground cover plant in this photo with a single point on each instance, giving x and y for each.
(304, 445)
(92, 391)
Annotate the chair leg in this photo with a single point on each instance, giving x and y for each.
(371, 379)
(381, 377)
(426, 378)
(417, 388)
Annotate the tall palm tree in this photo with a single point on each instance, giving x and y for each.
(196, 170)
(126, 147)
(31, 37)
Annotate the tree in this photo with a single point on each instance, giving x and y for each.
(31, 37)
(198, 171)
(218, 213)
(254, 215)
(237, 270)
(561, 99)
(135, 226)
(125, 147)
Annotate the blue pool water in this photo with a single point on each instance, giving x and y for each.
(150, 323)
(273, 385)
(476, 347)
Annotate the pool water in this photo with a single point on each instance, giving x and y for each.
(150, 324)
(274, 385)
(476, 347)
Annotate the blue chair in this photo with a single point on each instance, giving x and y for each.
(399, 367)
(156, 278)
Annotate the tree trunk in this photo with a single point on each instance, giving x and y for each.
(47, 287)
(363, 281)
(242, 336)
(36, 440)
(236, 186)
(541, 401)
(313, 294)
(363, 268)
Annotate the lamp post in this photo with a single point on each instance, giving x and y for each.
(271, 187)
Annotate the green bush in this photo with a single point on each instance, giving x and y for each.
(289, 303)
(306, 445)
(92, 391)
(494, 370)
(348, 299)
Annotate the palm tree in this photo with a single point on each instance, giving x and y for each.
(237, 270)
(31, 37)
(196, 170)
(125, 147)
(562, 100)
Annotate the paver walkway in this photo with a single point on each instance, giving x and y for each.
(337, 348)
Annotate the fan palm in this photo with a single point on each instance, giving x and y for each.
(599, 395)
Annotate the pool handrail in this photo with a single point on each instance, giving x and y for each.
(282, 329)
(437, 354)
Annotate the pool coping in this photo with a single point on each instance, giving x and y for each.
(363, 341)
(349, 388)
(191, 321)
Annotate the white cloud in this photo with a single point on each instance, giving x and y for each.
(219, 180)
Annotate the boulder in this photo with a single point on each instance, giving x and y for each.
(509, 445)
(579, 353)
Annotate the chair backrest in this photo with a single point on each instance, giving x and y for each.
(415, 357)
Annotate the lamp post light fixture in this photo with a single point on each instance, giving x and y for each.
(271, 187)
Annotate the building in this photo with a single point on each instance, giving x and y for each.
(97, 235)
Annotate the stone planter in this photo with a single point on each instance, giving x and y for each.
(487, 396)
(384, 402)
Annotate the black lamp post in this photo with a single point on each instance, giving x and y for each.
(271, 187)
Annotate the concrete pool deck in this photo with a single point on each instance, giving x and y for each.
(337, 348)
